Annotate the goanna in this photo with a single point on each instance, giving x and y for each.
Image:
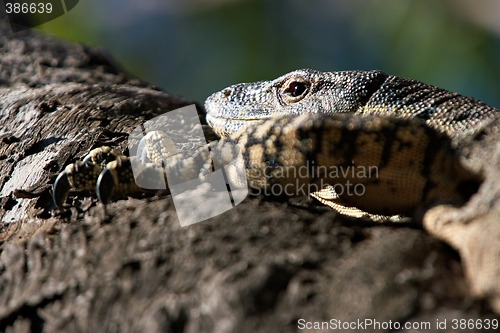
(409, 131)
(436, 153)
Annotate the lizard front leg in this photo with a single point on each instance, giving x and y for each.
(414, 165)
(110, 173)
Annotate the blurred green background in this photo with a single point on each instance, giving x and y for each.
(194, 48)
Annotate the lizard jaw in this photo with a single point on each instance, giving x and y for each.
(225, 127)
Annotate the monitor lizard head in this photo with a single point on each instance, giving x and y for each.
(300, 91)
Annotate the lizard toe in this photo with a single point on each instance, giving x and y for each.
(105, 186)
(61, 189)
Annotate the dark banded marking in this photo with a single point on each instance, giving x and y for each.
(389, 139)
(432, 149)
(312, 154)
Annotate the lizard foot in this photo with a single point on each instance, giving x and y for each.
(82, 175)
(111, 174)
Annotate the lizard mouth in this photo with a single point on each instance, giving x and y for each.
(228, 126)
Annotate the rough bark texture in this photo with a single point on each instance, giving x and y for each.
(129, 266)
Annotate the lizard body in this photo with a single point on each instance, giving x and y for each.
(400, 151)
(410, 131)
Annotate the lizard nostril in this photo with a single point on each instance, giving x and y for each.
(226, 93)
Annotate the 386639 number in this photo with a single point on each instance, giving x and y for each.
(28, 8)
(474, 324)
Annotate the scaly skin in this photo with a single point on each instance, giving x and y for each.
(372, 92)
(411, 158)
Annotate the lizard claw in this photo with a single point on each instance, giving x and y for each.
(105, 186)
(116, 180)
(80, 175)
(61, 189)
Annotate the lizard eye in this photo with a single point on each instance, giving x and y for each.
(296, 88)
